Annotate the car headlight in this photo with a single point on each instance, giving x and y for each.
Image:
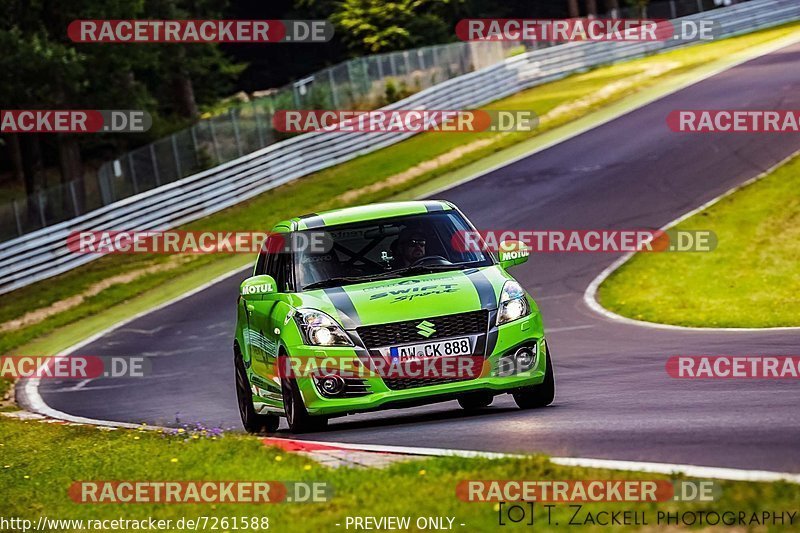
(513, 303)
(319, 329)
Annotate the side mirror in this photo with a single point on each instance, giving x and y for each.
(513, 253)
(257, 286)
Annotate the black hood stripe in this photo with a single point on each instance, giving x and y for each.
(488, 301)
(342, 302)
(484, 288)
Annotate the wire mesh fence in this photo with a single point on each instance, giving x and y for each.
(362, 83)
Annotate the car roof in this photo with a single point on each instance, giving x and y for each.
(347, 215)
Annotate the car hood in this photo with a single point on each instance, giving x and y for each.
(410, 298)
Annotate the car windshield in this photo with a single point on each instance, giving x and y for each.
(387, 248)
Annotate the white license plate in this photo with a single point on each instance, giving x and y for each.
(448, 348)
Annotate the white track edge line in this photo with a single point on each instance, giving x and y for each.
(713, 472)
(590, 294)
(30, 387)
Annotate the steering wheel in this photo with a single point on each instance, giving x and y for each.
(429, 258)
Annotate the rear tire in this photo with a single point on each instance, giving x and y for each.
(538, 395)
(475, 400)
(252, 421)
(300, 421)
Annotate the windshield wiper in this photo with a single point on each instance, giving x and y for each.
(337, 281)
(330, 282)
(418, 269)
(421, 269)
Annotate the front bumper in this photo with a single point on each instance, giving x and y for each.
(377, 395)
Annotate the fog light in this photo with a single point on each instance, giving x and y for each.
(525, 358)
(331, 385)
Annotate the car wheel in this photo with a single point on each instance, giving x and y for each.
(300, 421)
(252, 421)
(538, 395)
(476, 400)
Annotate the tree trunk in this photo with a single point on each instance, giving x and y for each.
(15, 155)
(183, 90)
(32, 168)
(69, 160)
(572, 6)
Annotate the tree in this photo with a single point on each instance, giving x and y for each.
(188, 73)
(573, 9)
(40, 68)
(375, 26)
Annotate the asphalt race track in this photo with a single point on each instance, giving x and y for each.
(614, 398)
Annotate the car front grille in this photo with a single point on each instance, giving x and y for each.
(395, 333)
(411, 383)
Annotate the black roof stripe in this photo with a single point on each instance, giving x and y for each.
(433, 206)
(313, 222)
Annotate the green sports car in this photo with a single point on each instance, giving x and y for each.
(383, 306)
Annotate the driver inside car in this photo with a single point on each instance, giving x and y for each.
(409, 248)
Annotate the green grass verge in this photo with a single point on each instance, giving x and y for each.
(40, 462)
(321, 191)
(750, 280)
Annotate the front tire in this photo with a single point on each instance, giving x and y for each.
(538, 395)
(252, 421)
(300, 421)
(475, 400)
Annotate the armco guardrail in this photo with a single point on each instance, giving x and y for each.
(42, 254)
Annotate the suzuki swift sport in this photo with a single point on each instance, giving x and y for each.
(340, 301)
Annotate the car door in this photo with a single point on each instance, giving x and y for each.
(262, 340)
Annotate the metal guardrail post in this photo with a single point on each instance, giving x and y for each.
(236, 135)
(175, 154)
(259, 126)
(153, 159)
(365, 71)
(699, 6)
(74, 197)
(133, 173)
(194, 145)
(16, 216)
(214, 139)
(334, 96)
(41, 209)
(673, 10)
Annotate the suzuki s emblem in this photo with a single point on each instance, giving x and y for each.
(425, 328)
